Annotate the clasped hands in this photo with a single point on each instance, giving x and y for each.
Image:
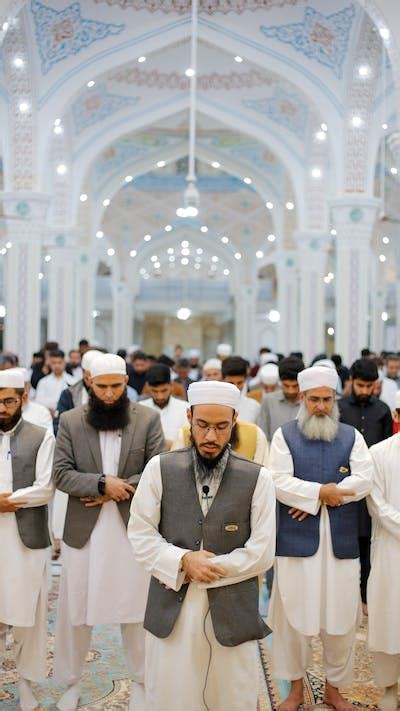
(116, 489)
(329, 494)
(198, 567)
(7, 506)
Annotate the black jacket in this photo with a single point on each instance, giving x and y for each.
(372, 418)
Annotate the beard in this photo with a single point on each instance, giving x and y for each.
(323, 427)
(361, 398)
(8, 423)
(108, 417)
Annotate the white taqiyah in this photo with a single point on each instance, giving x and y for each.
(268, 358)
(212, 392)
(107, 364)
(269, 374)
(224, 349)
(317, 376)
(12, 378)
(212, 364)
(88, 358)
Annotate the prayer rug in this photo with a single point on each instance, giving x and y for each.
(363, 693)
(105, 686)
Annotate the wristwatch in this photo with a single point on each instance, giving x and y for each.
(101, 485)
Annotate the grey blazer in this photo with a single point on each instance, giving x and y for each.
(78, 465)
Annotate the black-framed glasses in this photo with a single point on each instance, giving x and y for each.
(10, 401)
(219, 427)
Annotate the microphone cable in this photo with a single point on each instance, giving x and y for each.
(209, 661)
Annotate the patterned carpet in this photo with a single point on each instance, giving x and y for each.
(105, 686)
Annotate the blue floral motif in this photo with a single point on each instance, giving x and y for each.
(283, 107)
(321, 37)
(98, 104)
(61, 34)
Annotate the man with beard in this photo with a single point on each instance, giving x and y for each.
(101, 450)
(320, 469)
(371, 417)
(203, 524)
(76, 394)
(282, 405)
(172, 411)
(26, 453)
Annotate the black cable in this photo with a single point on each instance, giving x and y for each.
(209, 661)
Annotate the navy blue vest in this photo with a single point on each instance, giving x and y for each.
(322, 462)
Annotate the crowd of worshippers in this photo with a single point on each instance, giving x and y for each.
(168, 487)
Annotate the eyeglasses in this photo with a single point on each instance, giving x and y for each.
(219, 427)
(9, 401)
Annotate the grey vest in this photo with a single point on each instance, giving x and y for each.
(322, 462)
(32, 523)
(234, 608)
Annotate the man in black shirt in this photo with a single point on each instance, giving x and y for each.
(373, 419)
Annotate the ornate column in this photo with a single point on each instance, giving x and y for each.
(25, 214)
(377, 304)
(60, 308)
(397, 287)
(312, 250)
(245, 319)
(393, 142)
(287, 302)
(354, 218)
(122, 315)
(85, 284)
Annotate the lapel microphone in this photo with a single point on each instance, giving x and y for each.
(206, 491)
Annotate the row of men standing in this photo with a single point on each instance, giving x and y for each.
(109, 441)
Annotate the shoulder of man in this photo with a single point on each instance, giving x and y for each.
(380, 406)
(26, 426)
(246, 461)
(146, 413)
(74, 416)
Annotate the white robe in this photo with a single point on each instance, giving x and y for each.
(105, 583)
(384, 581)
(26, 567)
(173, 416)
(249, 409)
(176, 667)
(323, 580)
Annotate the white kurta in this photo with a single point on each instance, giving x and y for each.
(26, 567)
(50, 387)
(105, 583)
(37, 415)
(249, 409)
(324, 580)
(384, 581)
(232, 682)
(173, 416)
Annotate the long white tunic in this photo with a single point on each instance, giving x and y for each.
(105, 583)
(249, 409)
(329, 596)
(186, 649)
(173, 416)
(384, 581)
(50, 387)
(25, 568)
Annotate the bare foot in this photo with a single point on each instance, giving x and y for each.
(295, 698)
(365, 608)
(334, 698)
